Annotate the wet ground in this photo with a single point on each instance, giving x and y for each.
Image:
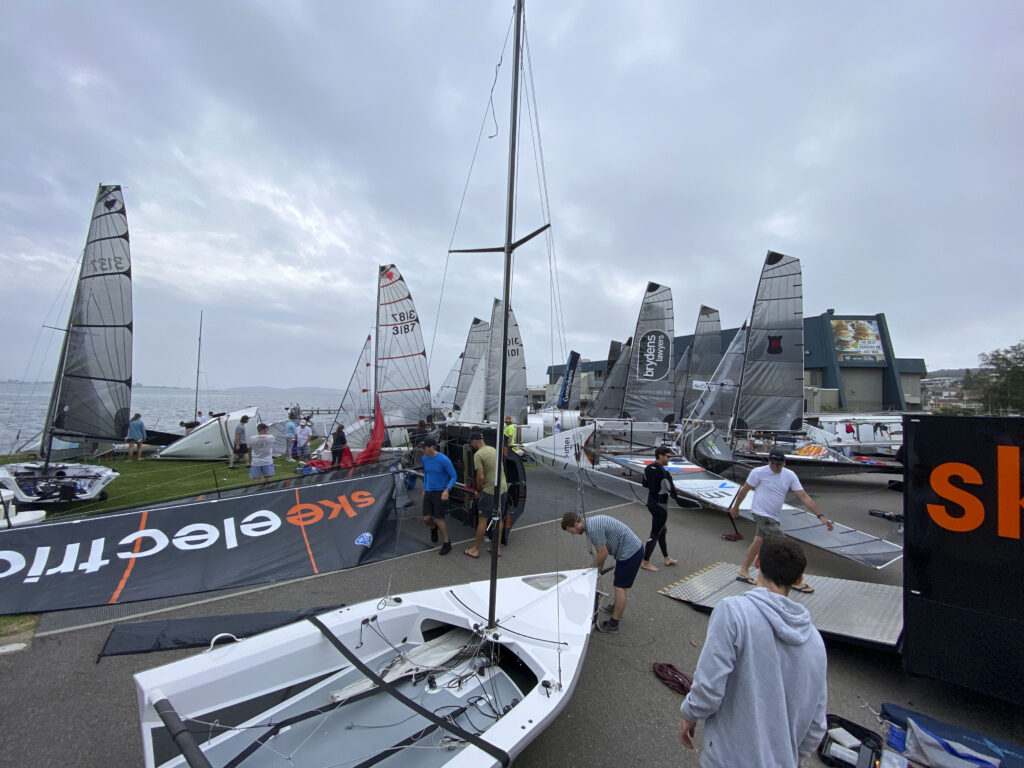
(59, 707)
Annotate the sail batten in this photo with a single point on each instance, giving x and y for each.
(402, 375)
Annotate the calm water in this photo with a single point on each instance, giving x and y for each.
(23, 406)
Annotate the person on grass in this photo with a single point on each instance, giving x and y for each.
(610, 537)
(240, 447)
(760, 685)
(771, 484)
(438, 479)
(261, 468)
(136, 436)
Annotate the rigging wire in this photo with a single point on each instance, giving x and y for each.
(488, 111)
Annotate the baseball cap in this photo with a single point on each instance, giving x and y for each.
(261, 427)
(302, 423)
(777, 454)
(429, 442)
(476, 435)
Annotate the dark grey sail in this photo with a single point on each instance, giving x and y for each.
(716, 402)
(92, 391)
(608, 403)
(476, 348)
(650, 381)
(707, 353)
(772, 384)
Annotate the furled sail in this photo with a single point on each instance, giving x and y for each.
(682, 379)
(772, 384)
(650, 381)
(402, 375)
(515, 376)
(92, 391)
(608, 403)
(476, 347)
(716, 402)
(706, 353)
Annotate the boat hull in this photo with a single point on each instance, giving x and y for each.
(39, 483)
(434, 651)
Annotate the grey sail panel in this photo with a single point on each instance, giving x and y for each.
(649, 383)
(444, 398)
(92, 391)
(608, 403)
(476, 348)
(515, 375)
(402, 375)
(716, 401)
(771, 387)
(707, 353)
(682, 379)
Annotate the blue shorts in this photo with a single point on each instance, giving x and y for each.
(626, 570)
(261, 470)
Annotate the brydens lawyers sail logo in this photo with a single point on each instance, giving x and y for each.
(654, 360)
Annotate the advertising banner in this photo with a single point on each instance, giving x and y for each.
(568, 380)
(857, 341)
(964, 557)
(196, 547)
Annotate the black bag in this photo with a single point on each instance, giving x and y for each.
(870, 749)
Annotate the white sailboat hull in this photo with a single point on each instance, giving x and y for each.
(214, 440)
(537, 649)
(36, 483)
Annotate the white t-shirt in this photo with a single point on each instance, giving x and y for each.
(303, 436)
(770, 489)
(262, 447)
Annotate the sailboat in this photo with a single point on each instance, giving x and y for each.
(91, 394)
(757, 400)
(438, 677)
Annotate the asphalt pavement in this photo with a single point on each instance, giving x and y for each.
(59, 707)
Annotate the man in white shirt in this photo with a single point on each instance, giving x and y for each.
(303, 436)
(261, 447)
(771, 484)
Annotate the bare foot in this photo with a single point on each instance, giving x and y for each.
(647, 566)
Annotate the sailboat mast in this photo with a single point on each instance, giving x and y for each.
(506, 295)
(199, 356)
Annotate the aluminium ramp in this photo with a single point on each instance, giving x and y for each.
(841, 609)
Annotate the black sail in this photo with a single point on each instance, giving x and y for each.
(92, 390)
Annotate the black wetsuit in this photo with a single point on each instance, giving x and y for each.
(654, 474)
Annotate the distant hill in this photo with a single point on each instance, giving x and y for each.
(953, 373)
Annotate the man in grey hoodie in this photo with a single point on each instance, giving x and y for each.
(760, 683)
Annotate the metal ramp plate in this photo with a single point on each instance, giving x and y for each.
(841, 609)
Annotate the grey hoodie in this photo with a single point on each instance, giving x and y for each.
(760, 684)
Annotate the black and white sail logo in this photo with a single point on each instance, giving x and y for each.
(655, 358)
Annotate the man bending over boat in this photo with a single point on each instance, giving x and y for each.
(610, 537)
(438, 479)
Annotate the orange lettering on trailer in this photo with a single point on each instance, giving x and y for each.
(973, 510)
(1008, 491)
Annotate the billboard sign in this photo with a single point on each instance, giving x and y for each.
(857, 341)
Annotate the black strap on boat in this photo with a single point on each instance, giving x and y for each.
(384, 754)
(498, 754)
(183, 739)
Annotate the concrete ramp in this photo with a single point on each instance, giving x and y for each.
(841, 609)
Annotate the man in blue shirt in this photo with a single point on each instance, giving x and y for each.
(438, 478)
(610, 537)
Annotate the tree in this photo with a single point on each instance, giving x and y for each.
(1000, 379)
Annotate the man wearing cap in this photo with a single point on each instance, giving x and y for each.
(303, 437)
(485, 460)
(438, 479)
(241, 447)
(262, 448)
(509, 431)
(771, 484)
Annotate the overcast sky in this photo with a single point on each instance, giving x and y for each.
(274, 153)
